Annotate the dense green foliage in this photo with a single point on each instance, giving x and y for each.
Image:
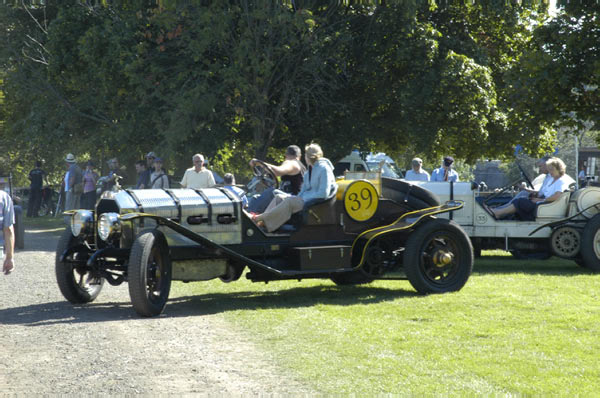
(242, 78)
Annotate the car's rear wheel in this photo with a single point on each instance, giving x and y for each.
(76, 284)
(438, 257)
(590, 244)
(149, 273)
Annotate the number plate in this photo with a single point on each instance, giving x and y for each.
(361, 200)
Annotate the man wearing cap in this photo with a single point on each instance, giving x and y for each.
(7, 234)
(417, 173)
(445, 173)
(73, 183)
(198, 177)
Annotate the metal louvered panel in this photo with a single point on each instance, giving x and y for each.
(157, 201)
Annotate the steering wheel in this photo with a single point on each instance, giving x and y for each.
(524, 174)
(263, 172)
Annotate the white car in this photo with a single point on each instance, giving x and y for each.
(568, 227)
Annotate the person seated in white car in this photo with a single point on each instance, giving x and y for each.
(417, 173)
(551, 190)
(445, 173)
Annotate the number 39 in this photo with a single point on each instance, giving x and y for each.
(361, 200)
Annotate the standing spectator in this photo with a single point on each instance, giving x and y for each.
(37, 177)
(73, 183)
(159, 180)
(90, 177)
(7, 239)
(140, 168)
(445, 173)
(229, 181)
(150, 156)
(198, 177)
(417, 173)
(581, 177)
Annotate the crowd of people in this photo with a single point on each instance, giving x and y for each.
(81, 187)
(443, 173)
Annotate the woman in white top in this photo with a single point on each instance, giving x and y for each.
(553, 188)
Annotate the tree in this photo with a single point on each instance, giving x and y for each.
(560, 73)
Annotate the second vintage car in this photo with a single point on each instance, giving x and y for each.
(568, 227)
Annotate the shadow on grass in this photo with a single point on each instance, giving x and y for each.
(283, 299)
(203, 304)
(510, 265)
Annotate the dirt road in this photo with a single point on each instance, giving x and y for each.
(50, 346)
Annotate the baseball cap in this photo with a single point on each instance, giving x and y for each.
(448, 160)
(417, 161)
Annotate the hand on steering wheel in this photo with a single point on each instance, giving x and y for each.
(265, 173)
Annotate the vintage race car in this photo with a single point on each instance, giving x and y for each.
(568, 227)
(372, 228)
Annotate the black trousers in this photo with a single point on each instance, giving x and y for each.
(35, 197)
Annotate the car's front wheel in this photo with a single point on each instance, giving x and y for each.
(438, 257)
(149, 273)
(77, 284)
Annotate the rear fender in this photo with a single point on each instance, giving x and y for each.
(404, 224)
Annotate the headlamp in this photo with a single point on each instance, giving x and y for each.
(109, 225)
(81, 222)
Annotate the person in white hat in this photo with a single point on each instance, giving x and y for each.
(417, 173)
(73, 183)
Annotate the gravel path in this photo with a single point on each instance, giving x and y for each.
(48, 345)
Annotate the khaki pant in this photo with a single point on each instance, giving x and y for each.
(280, 210)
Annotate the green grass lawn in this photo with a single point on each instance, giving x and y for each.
(518, 327)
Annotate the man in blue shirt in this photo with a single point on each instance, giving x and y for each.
(7, 236)
(445, 173)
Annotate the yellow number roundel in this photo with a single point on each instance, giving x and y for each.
(361, 200)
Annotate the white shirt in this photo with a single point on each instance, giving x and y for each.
(412, 175)
(67, 181)
(197, 180)
(554, 186)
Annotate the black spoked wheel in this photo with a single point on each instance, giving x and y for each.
(438, 257)
(76, 283)
(149, 274)
(590, 244)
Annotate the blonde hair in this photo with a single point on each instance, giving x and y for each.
(313, 152)
(558, 165)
